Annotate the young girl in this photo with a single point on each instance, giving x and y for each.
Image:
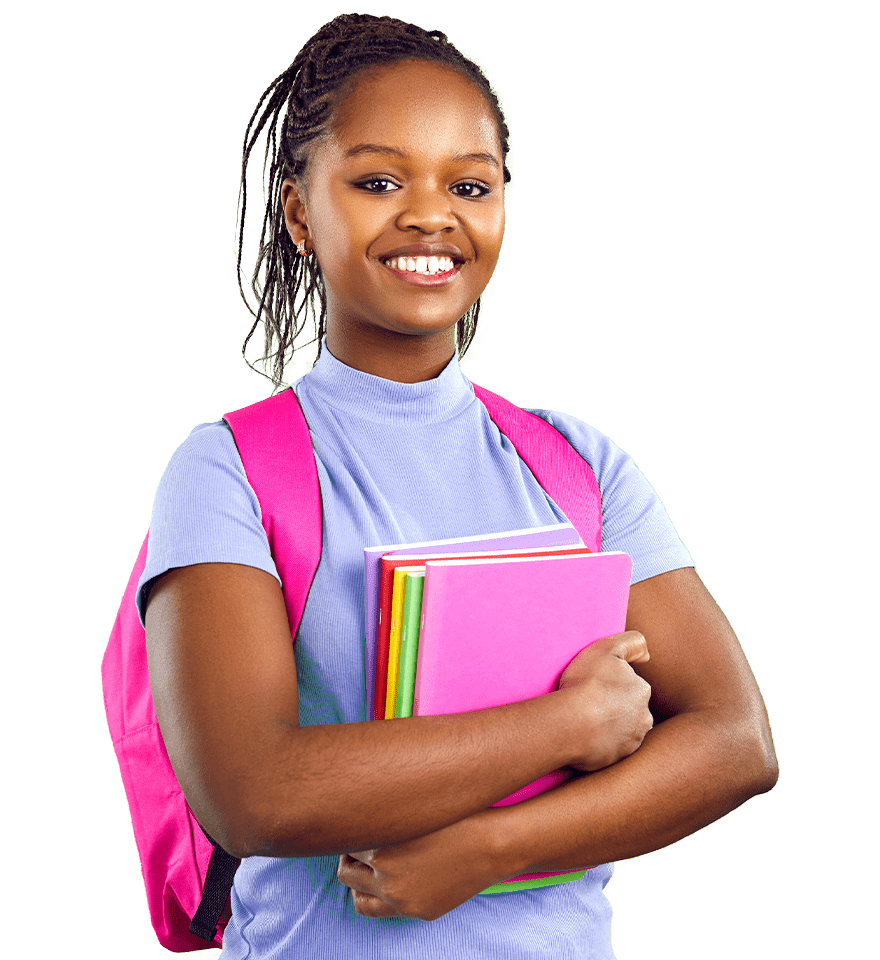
(386, 206)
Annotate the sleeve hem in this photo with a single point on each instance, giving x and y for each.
(190, 559)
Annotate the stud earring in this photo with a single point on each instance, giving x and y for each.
(301, 248)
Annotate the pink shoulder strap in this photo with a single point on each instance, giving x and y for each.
(275, 446)
(556, 465)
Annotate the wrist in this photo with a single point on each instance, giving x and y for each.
(574, 724)
(507, 849)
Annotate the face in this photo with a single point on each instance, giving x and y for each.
(404, 209)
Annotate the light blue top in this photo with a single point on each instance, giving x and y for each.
(397, 463)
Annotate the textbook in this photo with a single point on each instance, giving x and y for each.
(376, 634)
(391, 607)
(391, 599)
(497, 630)
(500, 630)
(536, 609)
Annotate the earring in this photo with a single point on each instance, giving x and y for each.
(301, 248)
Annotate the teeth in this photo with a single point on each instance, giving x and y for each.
(424, 265)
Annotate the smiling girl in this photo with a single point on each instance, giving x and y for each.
(387, 165)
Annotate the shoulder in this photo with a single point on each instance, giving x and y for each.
(208, 441)
(205, 510)
(634, 519)
(603, 455)
(207, 464)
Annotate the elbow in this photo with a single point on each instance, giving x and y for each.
(232, 822)
(247, 830)
(767, 772)
(229, 826)
(248, 837)
(757, 758)
(271, 840)
(249, 815)
(240, 840)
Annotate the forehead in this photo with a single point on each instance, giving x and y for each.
(416, 106)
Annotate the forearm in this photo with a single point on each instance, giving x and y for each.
(690, 770)
(320, 790)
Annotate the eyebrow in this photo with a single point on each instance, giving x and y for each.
(400, 155)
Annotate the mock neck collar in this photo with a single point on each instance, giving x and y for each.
(355, 393)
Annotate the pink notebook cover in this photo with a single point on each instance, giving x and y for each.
(498, 631)
(554, 534)
(390, 563)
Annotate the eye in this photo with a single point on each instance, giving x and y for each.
(377, 185)
(470, 189)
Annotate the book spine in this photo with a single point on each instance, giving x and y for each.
(409, 644)
(381, 678)
(397, 599)
(433, 594)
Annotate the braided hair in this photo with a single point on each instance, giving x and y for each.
(294, 111)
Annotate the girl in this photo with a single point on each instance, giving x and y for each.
(386, 206)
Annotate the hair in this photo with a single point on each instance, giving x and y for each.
(295, 110)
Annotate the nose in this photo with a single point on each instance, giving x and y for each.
(428, 209)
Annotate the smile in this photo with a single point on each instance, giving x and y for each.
(423, 271)
(424, 265)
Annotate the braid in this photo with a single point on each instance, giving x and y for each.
(287, 286)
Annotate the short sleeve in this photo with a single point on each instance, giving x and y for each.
(633, 518)
(205, 511)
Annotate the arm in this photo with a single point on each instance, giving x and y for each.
(709, 752)
(224, 684)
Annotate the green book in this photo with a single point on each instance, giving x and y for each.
(409, 643)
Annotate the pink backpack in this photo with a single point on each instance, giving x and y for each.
(188, 878)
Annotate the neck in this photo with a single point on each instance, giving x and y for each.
(406, 358)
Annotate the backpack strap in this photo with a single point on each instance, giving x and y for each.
(215, 894)
(554, 462)
(275, 445)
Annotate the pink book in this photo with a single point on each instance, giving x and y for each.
(557, 533)
(390, 562)
(496, 631)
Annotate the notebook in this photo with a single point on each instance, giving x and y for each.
(409, 642)
(558, 534)
(499, 630)
(496, 631)
(391, 608)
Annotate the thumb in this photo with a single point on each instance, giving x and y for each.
(630, 646)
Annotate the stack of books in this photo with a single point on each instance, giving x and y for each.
(466, 624)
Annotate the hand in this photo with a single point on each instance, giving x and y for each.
(615, 698)
(423, 878)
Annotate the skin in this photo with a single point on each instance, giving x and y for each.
(433, 191)
(407, 803)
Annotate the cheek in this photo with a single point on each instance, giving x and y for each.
(346, 231)
(491, 233)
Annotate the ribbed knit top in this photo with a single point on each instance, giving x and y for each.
(397, 463)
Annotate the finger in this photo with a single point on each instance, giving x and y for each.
(363, 883)
(352, 873)
(365, 856)
(630, 646)
(369, 906)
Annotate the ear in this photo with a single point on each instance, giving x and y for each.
(295, 217)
